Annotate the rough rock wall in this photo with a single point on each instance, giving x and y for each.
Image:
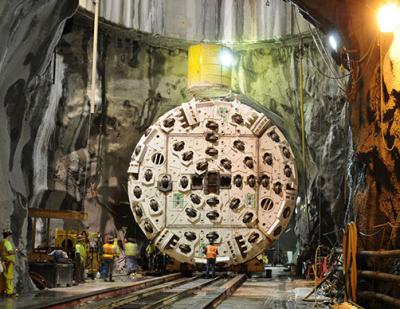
(29, 31)
(44, 96)
(375, 123)
(136, 83)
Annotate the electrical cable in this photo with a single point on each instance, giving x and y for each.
(327, 76)
(353, 239)
(321, 48)
(367, 53)
(387, 223)
(361, 75)
(317, 69)
(371, 235)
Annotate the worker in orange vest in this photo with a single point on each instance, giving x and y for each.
(109, 253)
(211, 254)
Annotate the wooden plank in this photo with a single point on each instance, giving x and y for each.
(57, 214)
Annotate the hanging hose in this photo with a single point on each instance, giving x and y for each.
(94, 55)
(92, 99)
(303, 134)
(350, 262)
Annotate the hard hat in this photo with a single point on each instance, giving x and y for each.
(6, 233)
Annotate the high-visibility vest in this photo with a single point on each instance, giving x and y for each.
(79, 248)
(6, 249)
(150, 249)
(212, 252)
(108, 251)
(131, 249)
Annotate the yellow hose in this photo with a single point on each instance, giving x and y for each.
(350, 261)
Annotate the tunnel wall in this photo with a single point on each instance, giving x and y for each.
(374, 176)
(44, 103)
(138, 80)
(29, 31)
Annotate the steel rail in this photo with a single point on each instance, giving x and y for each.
(179, 293)
(114, 303)
(75, 300)
(218, 295)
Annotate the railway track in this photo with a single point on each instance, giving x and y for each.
(194, 292)
(171, 291)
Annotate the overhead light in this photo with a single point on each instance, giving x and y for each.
(225, 57)
(389, 17)
(333, 41)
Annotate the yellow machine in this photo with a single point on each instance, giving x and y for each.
(41, 254)
(209, 70)
(67, 240)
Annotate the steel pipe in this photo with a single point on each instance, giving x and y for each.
(379, 275)
(380, 297)
(374, 253)
(381, 253)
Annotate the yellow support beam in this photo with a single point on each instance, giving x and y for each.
(57, 214)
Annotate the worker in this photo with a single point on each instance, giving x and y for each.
(109, 254)
(303, 259)
(159, 261)
(150, 252)
(262, 258)
(80, 252)
(211, 254)
(59, 255)
(7, 252)
(131, 253)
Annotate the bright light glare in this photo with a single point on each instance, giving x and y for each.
(333, 42)
(225, 57)
(389, 17)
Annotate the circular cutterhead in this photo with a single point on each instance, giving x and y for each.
(213, 171)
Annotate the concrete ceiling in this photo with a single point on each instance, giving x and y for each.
(205, 20)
